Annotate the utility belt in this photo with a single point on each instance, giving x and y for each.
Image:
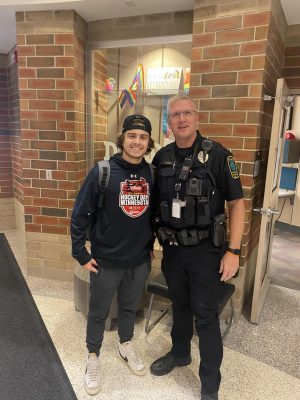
(184, 237)
(193, 237)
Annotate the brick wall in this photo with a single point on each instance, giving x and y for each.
(7, 211)
(51, 54)
(100, 104)
(291, 71)
(15, 132)
(51, 80)
(6, 187)
(237, 56)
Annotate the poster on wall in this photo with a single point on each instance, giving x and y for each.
(163, 81)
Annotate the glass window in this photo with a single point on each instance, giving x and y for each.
(137, 80)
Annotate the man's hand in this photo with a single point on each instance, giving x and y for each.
(92, 266)
(229, 266)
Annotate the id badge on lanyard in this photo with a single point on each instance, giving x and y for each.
(177, 203)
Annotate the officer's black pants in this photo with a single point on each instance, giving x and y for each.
(193, 279)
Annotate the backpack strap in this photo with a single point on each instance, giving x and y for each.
(103, 179)
(104, 176)
(153, 172)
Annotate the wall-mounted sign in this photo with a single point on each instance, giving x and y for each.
(165, 80)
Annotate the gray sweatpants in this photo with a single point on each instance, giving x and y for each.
(129, 284)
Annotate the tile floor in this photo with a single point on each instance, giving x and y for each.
(261, 362)
(285, 259)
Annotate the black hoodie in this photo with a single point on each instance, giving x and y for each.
(121, 234)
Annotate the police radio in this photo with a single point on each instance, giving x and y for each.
(186, 168)
(187, 165)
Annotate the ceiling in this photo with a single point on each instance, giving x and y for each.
(92, 10)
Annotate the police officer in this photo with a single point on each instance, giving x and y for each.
(195, 178)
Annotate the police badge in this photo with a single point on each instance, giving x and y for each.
(201, 157)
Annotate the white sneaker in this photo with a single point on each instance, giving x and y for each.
(128, 354)
(92, 374)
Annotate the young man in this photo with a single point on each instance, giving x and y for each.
(195, 177)
(121, 240)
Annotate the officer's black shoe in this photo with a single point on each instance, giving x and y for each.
(209, 395)
(167, 363)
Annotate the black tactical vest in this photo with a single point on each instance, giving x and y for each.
(199, 196)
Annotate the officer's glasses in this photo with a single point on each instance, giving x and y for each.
(185, 114)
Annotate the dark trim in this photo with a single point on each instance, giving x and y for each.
(287, 227)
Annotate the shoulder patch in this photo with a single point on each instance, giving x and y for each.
(232, 167)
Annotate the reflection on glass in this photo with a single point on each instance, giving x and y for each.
(117, 89)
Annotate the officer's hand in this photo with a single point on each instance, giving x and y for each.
(92, 266)
(229, 266)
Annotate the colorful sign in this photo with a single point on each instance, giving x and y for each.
(165, 80)
(187, 79)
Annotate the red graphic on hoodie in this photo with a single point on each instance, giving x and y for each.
(134, 197)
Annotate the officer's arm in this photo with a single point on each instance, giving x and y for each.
(236, 210)
(230, 262)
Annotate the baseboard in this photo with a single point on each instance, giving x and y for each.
(287, 227)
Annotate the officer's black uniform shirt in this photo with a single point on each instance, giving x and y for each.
(220, 162)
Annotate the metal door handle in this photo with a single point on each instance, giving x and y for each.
(273, 211)
(267, 212)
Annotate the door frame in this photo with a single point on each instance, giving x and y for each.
(281, 117)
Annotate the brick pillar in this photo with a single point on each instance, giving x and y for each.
(291, 71)
(237, 56)
(11, 207)
(15, 137)
(100, 104)
(51, 46)
(6, 181)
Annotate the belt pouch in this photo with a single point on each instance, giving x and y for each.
(193, 237)
(183, 237)
(164, 211)
(203, 214)
(189, 211)
(219, 230)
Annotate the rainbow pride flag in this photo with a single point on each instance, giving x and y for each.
(138, 84)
